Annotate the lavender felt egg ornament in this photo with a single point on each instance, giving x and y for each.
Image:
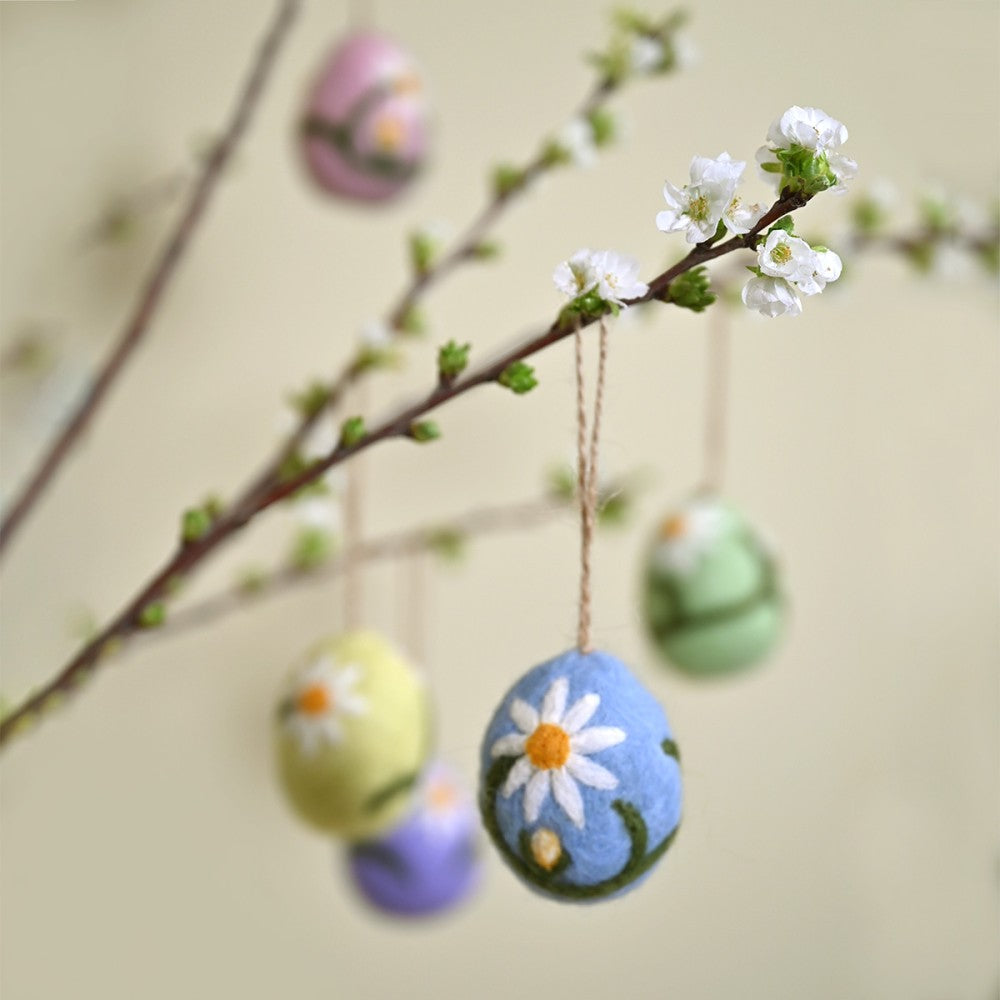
(351, 735)
(580, 785)
(429, 863)
(712, 601)
(364, 132)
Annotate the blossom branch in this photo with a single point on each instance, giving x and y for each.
(134, 616)
(150, 294)
(399, 545)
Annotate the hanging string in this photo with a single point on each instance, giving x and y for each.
(353, 491)
(415, 604)
(587, 477)
(716, 399)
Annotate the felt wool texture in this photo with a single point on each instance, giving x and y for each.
(351, 735)
(364, 132)
(712, 602)
(580, 787)
(429, 863)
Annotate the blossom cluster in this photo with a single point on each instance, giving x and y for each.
(786, 267)
(801, 154)
(612, 277)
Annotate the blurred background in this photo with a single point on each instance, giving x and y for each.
(841, 821)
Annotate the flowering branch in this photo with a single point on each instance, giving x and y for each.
(149, 296)
(146, 607)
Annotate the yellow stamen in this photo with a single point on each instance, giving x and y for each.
(781, 254)
(548, 747)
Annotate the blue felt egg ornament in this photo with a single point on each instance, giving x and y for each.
(580, 786)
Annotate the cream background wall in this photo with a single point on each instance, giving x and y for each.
(840, 837)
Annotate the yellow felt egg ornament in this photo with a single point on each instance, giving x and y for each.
(352, 733)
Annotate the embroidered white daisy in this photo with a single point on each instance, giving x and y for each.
(554, 749)
(318, 700)
(687, 535)
(445, 803)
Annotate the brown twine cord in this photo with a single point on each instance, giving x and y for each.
(587, 478)
(353, 494)
(716, 399)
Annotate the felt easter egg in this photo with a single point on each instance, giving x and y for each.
(429, 862)
(351, 735)
(712, 602)
(580, 786)
(364, 132)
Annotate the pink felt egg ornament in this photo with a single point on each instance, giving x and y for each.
(364, 131)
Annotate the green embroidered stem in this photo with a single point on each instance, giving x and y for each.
(683, 621)
(639, 861)
(398, 786)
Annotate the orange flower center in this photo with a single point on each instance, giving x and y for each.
(548, 747)
(408, 83)
(315, 700)
(389, 133)
(674, 527)
(441, 796)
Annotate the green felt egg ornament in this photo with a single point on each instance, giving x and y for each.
(351, 735)
(712, 601)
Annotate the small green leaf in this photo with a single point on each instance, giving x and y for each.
(352, 431)
(486, 250)
(310, 548)
(507, 179)
(446, 542)
(311, 400)
(423, 250)
(153, 615)
(786, 223)
(195, 524)
(562, 483)
(412, 321)
(424, 430)
(518, 377)
(691, 290)
(453, 359)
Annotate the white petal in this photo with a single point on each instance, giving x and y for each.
(580, 712)
(352, 704)
(518, 775)
(509, 745)
(590, 773)
(523, 716)
(597, 738)
(554, 702)
(568, 796)
(535, 794)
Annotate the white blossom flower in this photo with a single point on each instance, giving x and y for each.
(576, 140)
(697, 207)
(554, 749)
(828, 267)
(788, 257)
(376, 336)
(444, 802)
(739, 217)
(771, 297)
(617, 277)
(576, 276)
(319, 698)
(645, 54)
(319, 512)
(812, 129)
(687, 535)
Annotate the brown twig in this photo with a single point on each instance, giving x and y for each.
(229, 523)
(399, 545)
(159, 279)
(462, 250)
